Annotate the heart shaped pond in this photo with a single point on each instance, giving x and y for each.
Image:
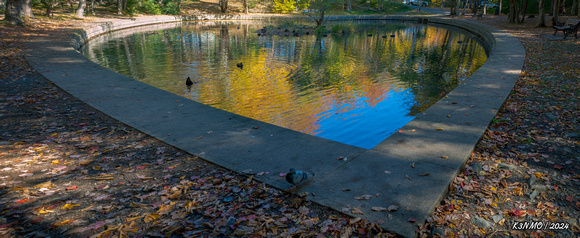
(356, 88)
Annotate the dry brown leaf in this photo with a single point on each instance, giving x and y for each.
(151, 217)
(357, 210)
(379, 209)
(363, 197)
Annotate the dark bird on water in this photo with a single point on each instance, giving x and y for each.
(188, 82)
(459, 42)
(393, 35)
(384, 36)
(296, 176)
(240, 65)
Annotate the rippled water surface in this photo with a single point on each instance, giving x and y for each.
(355, 88)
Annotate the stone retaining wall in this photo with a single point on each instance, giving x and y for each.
(96, 29)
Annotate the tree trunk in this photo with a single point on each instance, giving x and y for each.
(16, 10)
(578, 9)
(178, 7)
(92, 7)
(556, 12)
(500, 4)
(452, 11)
(513, 13)
(224, 6)
(81, 9)
(246, 6)
(524, 10)
(517, 12)
(542, 20)
(119, 7)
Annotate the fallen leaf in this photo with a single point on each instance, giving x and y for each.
(444, 157)
(515, 213)
(44, 211)
(379, 209)
(151, 217)
(72, 188)
(393, 208)
(425, 174)
(557, 166)
(412, 220)
(22, 201)
(363, 197)
(69, 206)
(132, 218)
(303, 210)
(357, 210)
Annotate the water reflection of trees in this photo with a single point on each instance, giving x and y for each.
(290, 81)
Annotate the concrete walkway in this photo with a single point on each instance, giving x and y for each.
(411, 170)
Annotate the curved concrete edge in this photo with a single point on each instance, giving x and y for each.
(236, 145)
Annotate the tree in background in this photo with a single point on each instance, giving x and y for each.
(319, 9)
(575, 9)
(524, 10)
(81, 9)
(17, 10)
(556, 11)
(513, 15)
(542, 18)
(224, 6)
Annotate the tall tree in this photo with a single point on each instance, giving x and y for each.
(224, 6)
(16, 10)
(524, 10)
(321, 8)
(246, 6)
(542, 18)
(556, 11)
(513, 11)
(575, 8)
(81, 9)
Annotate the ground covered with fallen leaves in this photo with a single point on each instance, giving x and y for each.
(526, 168)
(68, 170)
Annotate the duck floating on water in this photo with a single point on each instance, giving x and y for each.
(188, 82)
(240, 65)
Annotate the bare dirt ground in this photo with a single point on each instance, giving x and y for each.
(68, 170)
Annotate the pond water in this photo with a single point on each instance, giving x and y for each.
(352, 88)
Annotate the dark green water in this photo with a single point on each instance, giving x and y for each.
(356, 89)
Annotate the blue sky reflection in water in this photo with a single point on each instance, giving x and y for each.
(353, 88)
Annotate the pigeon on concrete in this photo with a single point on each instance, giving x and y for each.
(296, 176)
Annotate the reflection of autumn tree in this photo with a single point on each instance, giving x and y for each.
(291, 81)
